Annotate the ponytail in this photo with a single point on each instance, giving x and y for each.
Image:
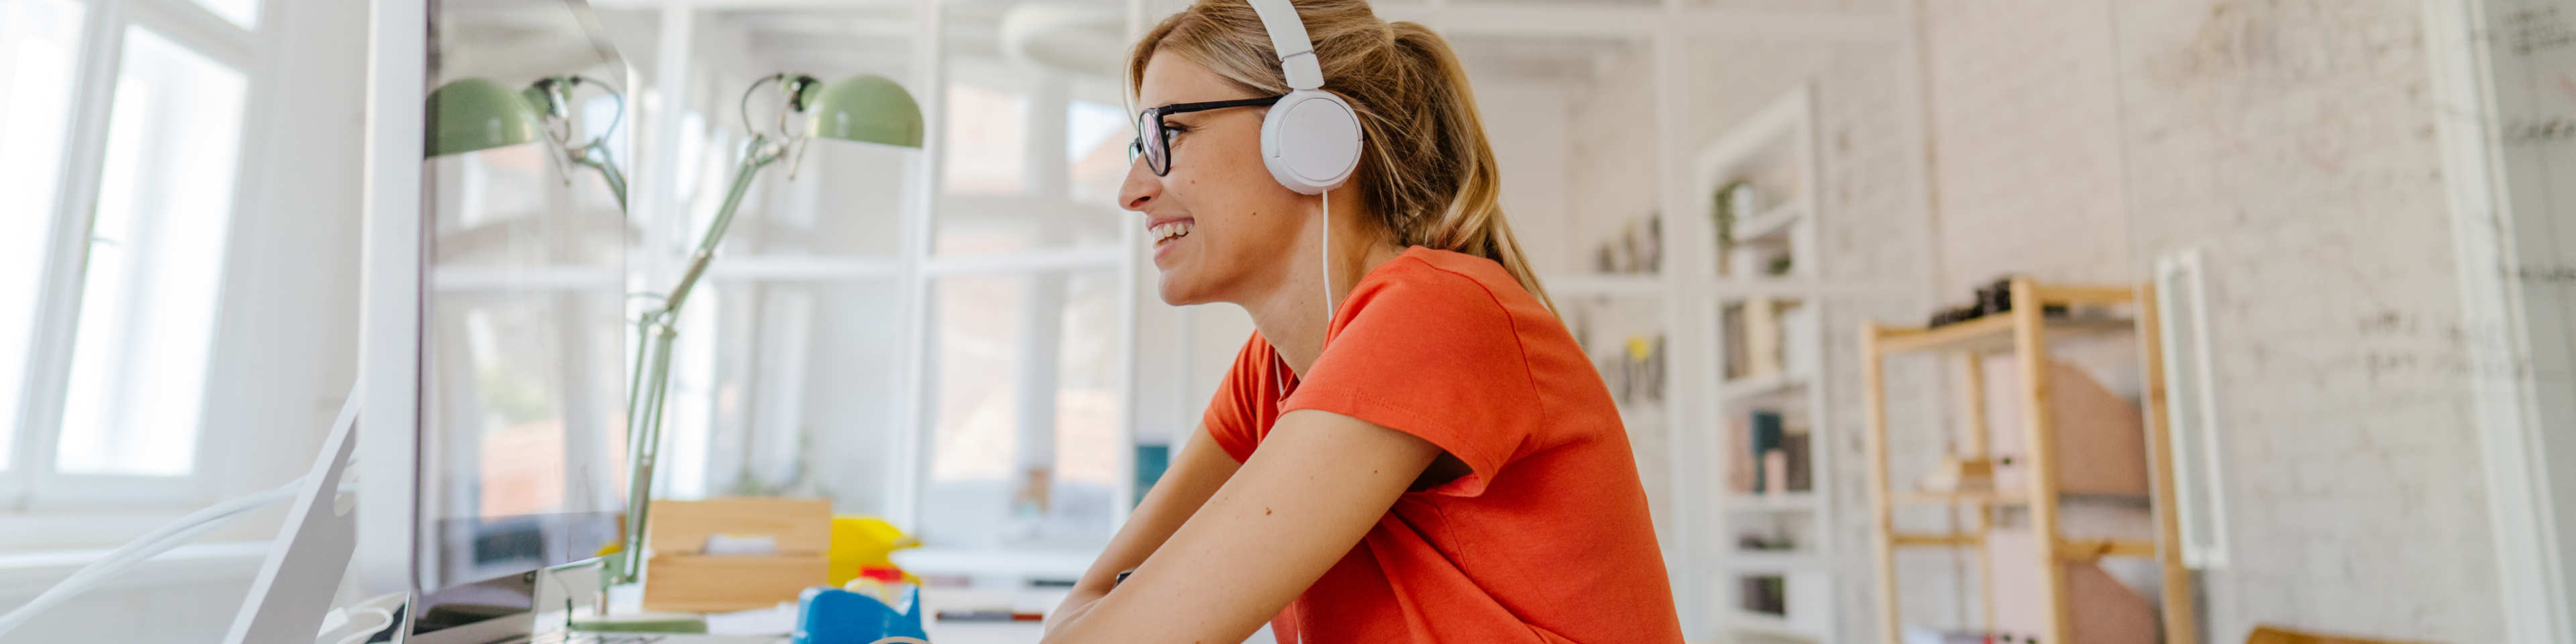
(1470, 219)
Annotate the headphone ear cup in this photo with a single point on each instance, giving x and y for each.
(1311, 141)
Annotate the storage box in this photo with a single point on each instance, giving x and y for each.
(683, 576)
(2101, 436)
(2105, 611)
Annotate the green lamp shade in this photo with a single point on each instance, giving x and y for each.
(866, 108)
(479, 114)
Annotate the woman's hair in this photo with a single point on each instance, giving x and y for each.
(1426, 169)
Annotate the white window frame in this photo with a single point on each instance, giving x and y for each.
(71, 508)
(927, 267)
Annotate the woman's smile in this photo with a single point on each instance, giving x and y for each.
(1167, 233)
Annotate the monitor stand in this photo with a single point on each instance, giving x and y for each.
(302, 573)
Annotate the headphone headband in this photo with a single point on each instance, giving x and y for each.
(1288, 37)
(1310, 139)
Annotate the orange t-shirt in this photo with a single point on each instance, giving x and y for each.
(1546, 541)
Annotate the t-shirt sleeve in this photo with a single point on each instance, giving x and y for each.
(1231, 418)
(1435, 355)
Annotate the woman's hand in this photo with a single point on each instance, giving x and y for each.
(1073, 607)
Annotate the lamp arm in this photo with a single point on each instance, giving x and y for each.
(759, 153)
(651, 381)
(644, 436)
(596, 156)
(595, 153)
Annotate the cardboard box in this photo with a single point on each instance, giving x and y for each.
(683, 576)
(2105, 610)
(2101, 436)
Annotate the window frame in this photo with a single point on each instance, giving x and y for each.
(1046, 177)
(34, 493)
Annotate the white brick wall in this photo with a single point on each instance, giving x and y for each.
(2292, 141)
(2024, 153)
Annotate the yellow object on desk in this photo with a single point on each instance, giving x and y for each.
(861, 543)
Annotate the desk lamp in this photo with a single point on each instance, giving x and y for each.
(867, 109)
(472, 114)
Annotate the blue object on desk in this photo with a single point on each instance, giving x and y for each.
(827, 615)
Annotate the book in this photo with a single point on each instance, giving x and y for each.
(1766, 435)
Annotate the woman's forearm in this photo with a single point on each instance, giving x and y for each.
(1320, 482)
(1201, 468)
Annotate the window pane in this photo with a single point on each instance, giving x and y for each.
(241, 12)
(1096, 136)
(785, 388)
(1025, 449)
(39, 42)
(987, 141)
(1019, 167)
(839, 200)
(155, 255)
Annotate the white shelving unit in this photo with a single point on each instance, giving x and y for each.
(1773, 150)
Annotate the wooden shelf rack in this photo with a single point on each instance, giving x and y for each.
(2023, 332)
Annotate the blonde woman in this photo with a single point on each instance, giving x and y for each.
(1411, 447)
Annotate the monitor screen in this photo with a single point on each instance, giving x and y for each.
(521, 447)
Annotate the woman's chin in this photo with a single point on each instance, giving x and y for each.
(1172, 294)
(1176, 289)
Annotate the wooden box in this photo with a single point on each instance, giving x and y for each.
(681, 576)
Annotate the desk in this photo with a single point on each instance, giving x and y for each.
(628, 600)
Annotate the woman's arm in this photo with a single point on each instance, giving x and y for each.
(1319, 482)
(1201, 467)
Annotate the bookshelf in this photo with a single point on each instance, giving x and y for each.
(1770, 522)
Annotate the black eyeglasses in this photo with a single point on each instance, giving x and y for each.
(1154, 142)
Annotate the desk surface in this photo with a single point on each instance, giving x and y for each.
(778, 620)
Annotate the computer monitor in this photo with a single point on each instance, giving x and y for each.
(491, 443)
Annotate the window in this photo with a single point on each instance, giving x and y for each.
(1022, 394)
(156, 246)
(1096, 136)
(988, 148)
(1024, 435)
(110, 294)
(242, 12)
(39, 40)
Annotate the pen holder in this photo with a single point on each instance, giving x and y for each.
(827, 615)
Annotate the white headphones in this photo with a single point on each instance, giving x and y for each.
(1311, 137)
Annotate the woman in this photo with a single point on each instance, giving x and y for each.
(1411, 448)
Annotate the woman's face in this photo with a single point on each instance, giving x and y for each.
(1241, 225)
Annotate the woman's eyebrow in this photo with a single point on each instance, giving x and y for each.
(1190, 119)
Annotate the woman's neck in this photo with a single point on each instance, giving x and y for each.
(1292, 317)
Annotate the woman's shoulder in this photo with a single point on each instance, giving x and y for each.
(1448, 279)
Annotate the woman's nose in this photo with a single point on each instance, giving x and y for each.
(1140, 188)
